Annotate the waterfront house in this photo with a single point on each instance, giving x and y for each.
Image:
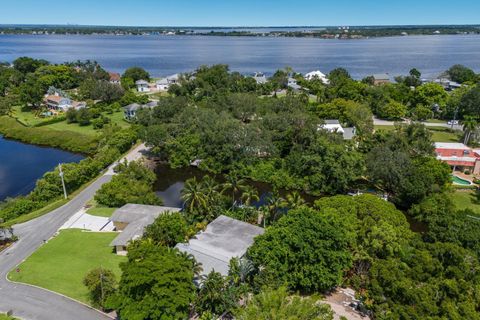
(260, 78)
(131, 221)
(130, 111)
(162, 84)
(59, 103)
(173, 79)
(317, 75)
(114, 77)
(223, 239)
(142, 86)
(459, 156)
(381, 78)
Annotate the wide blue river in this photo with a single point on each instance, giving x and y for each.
(22, 164)
(164, 55)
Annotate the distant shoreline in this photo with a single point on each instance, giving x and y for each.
(338, 32)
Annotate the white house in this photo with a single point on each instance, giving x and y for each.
(173, 79)
(317, 75)
(260, 78)
(334, 126)
(142, 86)
(59, 103)
(292, 83)
(162, 84)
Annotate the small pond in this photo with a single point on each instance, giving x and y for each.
(21, 165)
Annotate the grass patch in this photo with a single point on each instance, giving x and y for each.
(467, 199)
(3, 316)
(442, 134)
(61, 264)
(101, 211)
(73, 127)
(67, 140)
(384, 128)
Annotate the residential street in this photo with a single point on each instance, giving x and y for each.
(32, 303)
(379, 122)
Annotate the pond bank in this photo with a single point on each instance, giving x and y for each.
(42, 136)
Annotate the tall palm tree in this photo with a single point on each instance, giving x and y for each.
(193, 195)
(250, 194)
(233, 183)
(294, 200)
(470, 124)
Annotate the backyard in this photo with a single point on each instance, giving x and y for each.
(61, 264)
(439, 134)
(467, 199)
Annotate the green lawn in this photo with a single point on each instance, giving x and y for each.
(467, 199)
(439, 134)
(27, 118)
(5, 317)
(61, 264)
(74, 127)
(442, 134)
(101, 211)
(385, 128)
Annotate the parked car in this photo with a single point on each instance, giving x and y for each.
(452, 122)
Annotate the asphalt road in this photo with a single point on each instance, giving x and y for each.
(31, 303)
(28, 302)
(379, 122)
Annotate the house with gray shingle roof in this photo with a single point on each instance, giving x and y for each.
(131, 221)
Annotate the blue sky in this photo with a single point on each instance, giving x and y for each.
(240, 12)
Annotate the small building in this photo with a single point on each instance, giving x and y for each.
(130, 111)
(114, 77)
(173, 79)
(381, 78)
(162, 84)
(292, 84)
(223, 239)
(317, 75)
(334, 126)
(59, 103)
(142, 86)
(131, 220)
(459, 156)
(260, 78)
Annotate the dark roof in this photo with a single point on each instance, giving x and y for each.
(138, 217)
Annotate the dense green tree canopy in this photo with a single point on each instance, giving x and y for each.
(306, 250)
(156, 283)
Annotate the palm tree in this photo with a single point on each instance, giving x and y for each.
(233, 183)
(211, 188)
(193, 195)
(274, 204)
(250, 194)
(469, 125)
(294, 200)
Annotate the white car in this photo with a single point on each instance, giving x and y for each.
(452, 122)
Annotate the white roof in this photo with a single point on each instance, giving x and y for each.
(454, 158)
(316, 73)
(224, 239)
(451, 145)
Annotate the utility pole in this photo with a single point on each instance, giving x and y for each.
(454, 117)
(63, 181)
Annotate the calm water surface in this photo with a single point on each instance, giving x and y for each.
(164, 55)
(22, 164)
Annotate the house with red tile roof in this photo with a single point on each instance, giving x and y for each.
(459, 156)
(114, 77)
